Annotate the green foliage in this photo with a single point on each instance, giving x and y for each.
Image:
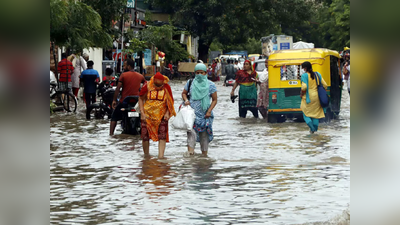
(162, 38)
(109, 10)
(216, 46)
(149, 17)
(338, 27)
(329, 27)
(175, 52)
(52, 107)
(76, 25)
(233, 21)
(252, 46)
(136, 45)
(158, 36)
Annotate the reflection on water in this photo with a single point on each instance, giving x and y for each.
(154, 176)
(202, 175)
(256, 173)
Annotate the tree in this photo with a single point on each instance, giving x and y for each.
(329, 26)
(109, 11)
(338, 24)
(233, 21)
(76, 25)
(162, 38)
(252, 46)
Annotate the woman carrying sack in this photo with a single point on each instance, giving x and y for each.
(201, 90)
(310, 101)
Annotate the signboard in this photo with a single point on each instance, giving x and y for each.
(187, 67)
(130, 4)
(117, 55)
(147, 57)
(285, 42)
(275, 42)
(285, 46)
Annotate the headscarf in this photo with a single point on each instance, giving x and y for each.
(248, 61)
(149, 86)
(201, 87)
(159, 76)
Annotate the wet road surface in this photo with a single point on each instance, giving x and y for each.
(256, 172)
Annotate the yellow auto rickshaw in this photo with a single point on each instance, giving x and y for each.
(284, 68)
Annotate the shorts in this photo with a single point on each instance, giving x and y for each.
(63, 86)
(162, 130)
(117, 113)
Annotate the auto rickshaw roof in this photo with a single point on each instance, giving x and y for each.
(313, 55)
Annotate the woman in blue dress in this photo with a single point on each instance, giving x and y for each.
(197, 93)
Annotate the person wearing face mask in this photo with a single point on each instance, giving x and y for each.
(156, 104)
(310, 104)
(197, 94)
(247, 79)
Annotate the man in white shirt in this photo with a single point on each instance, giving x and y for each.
(237, 68)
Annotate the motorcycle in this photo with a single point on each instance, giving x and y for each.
(171, 74)
(230, 82)
(106, 92)
(130, 116)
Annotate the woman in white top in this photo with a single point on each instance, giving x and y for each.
(263, 96)
(80, 65)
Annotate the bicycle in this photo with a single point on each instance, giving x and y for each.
(63, 98)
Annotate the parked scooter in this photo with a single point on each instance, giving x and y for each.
(130, 116)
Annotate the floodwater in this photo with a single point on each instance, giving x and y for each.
(256, 173)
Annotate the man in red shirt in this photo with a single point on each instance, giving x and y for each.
(130, 83)
(65, 69)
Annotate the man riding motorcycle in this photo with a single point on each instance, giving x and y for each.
(230, 71)
(130, 82)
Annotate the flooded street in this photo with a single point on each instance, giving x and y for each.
(256, 172)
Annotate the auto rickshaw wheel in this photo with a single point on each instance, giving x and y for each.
(273, 118)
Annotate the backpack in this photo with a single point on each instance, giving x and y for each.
(190, 84)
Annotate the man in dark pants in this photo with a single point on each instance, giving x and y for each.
(90, 78)
(130, 83)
